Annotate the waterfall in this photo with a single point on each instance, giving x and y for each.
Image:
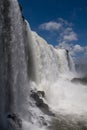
(28, 64)
(51, 62)
(15, 63)
(30, 53)
(18, 110)
(55, 69)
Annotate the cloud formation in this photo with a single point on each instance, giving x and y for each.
(78, 48)
(73, 49)
(63, 29)
(50, 26)
(66, 37)
(69, 35)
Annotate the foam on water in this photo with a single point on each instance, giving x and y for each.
(27, 61)
(55, 70)
(66, 97)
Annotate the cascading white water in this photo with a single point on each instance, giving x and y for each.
(55, 70)
(14, 80)
(27, 62)
(17, 108)
(51, 62)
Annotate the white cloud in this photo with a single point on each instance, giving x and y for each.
(50, 26)
(63, 32)
(64, 22)
(65, 45)
(62, 28)
(67, 30)
(65, 35)
(71, 37)
(68, 35)
(78, 48)
(73, 49)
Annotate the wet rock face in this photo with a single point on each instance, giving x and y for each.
(80, 80)
(41, 94)
(38, 97)
(64, 123)
(14, 122)
(43, 121)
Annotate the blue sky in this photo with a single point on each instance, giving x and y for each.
(60, 22)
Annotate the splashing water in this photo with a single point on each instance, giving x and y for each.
(27, 62)
(55, 70)
(16, 69)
